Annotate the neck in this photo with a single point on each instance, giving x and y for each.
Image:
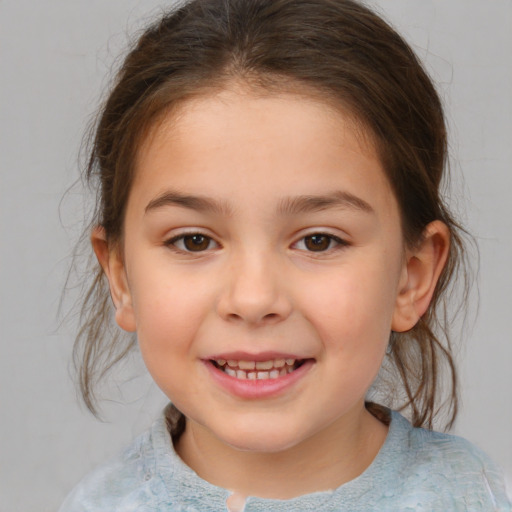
(328, 459)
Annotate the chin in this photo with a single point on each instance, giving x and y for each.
(262, 440)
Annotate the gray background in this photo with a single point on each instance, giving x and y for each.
(55, 59)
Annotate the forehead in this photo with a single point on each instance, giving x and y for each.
(235, 98)
(268, 141)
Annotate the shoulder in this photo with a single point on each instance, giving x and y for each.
(450, 470)
(127, 482)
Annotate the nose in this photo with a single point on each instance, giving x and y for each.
(254, 292)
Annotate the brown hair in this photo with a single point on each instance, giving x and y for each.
(337, 48)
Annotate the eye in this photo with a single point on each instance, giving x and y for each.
(319, 242)
(193, 242)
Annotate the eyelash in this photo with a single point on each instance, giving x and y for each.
(175, 242)
(334, 242)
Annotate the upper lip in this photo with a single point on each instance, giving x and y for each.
(259, 356)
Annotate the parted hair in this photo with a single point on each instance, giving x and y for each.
(339, 50)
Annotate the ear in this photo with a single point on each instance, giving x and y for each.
(111, 261)
(422, 267)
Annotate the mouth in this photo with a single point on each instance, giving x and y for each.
(258, 370)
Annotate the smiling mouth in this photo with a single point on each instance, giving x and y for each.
(258, 370)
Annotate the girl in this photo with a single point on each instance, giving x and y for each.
(269, 224)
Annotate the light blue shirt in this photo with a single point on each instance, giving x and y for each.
(415, 470)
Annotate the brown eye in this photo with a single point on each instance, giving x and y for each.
(195, 243)
(317, 243)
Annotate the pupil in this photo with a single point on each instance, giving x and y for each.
(196, 242)
(317, 242)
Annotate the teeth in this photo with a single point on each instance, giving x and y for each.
(230, 371)
(264, 365)
(244, 370)
(246, 365)
(258, 365)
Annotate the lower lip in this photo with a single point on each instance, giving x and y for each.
(258, 388)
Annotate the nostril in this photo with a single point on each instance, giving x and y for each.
(272, 318)
(249, 306)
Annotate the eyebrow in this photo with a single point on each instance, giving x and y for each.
(316, 203)
(199, 203)
(287, 206)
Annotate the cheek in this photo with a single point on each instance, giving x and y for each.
(168, 314)
(352, 314)
(353, 304)
(166, 330)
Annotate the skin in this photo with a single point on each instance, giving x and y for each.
(257, 284)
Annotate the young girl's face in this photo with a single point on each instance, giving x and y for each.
(262, 265)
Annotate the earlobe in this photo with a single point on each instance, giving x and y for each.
(422, 267)
(111, 262)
